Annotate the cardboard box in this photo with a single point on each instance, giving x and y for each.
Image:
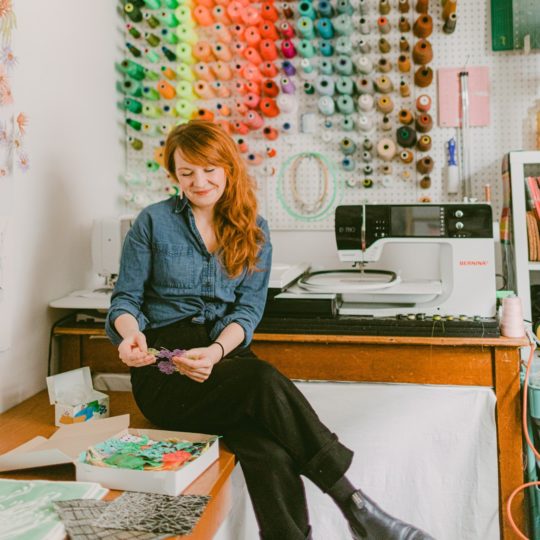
(64, 390)
(68, 442)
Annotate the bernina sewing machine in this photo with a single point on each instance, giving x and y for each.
(431, 260)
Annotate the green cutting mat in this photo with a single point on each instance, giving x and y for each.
(512, 21)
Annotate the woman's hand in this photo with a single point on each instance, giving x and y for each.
(197, 363)
(133, 351)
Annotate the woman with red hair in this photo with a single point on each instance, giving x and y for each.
(193, 279)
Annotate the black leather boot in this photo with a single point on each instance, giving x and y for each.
(369, 522)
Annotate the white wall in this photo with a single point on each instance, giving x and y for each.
(65, 82)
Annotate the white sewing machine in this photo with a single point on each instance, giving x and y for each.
(432, 259)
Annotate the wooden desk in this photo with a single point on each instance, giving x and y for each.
(491, 362)
(35, 416)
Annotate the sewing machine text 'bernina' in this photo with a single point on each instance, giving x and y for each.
(434, 262)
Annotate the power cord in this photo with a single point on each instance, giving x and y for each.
(51, 335)
(533, 343)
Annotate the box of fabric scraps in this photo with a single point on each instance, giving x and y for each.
(148, 460)
(74, 397)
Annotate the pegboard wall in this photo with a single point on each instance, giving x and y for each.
(292, 82)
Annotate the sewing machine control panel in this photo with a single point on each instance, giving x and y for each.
(411, 221)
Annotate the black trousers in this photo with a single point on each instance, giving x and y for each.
(263, 418)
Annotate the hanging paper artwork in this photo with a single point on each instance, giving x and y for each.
(12, 125)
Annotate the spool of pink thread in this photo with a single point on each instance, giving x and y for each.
(251, 100)
(220, 89)
(222, 70)
(253, 87)
(222, 32)
(252, 55)
(512, 324)
(202, 71)
(204, 90)
(220, 15)
(286, 30)
(254, 120)
(234, 11)
(240, 128)
(250, 72)
(238, 31)
(222, 52)
(287, 48)
(250, 16)
(203, 51)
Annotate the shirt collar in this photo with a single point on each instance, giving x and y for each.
(181, 203)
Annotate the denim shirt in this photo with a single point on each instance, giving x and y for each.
(167, 274)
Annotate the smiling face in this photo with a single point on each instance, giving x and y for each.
(203, 186)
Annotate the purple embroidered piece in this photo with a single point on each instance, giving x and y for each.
(164, 357)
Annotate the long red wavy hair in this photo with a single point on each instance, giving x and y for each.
(204, 143)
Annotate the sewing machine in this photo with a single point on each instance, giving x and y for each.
(431, 260)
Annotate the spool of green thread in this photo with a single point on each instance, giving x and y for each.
(343, 25)
(130, 88)
(152, 56)
(309, 89)
(305, 49)
(168, 19)
(171, 57)
(135, 124)
(326, 67)
(184, 52)
(151, 111)
(152, 39)
(151, 93)
(184, 89)
(133, 12)
(169, 36)
(305, 28)
(345, 104)
(171, 4)
(132, 105)
(305, 9)
(135, 143)
(134, 32)
(183, 14)
(153, 4)
(132, 69)
(347, 123)
(185, 72)
(151, 75)
(133, 50)
(152, 165)
(367, 182)
(345, 85)
(344, 65)
(149, 129)
(185, 108)
(185, 32)
(343, 46)
(151, 20)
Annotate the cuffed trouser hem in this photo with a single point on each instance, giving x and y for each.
(329, 464)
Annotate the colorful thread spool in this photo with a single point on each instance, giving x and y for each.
(422, 52)
(203, 16)
(423, 103)
(384, 85)
(405, 117)
(424, 165)
(365, 86)
(450, 24)
(184, 108)
(344, 46)
(404, 45)
(344, 65)
(184, 52)
(222, 71)
(345, 86)
(287, 49)
(423, 76)
(305, 28)
(254, 120)
(203, 71)
(269, 12)
(325, 9)
(130, 88)
(251, 100)
(384, 7)
(268, 31)
(345, 104)
(184, 89)
(365, 123)
(404, 25)
(151, 111)
(347, 123)
(365, 102)
(326, 105)
(268, 50)
(404, 63)
(287, 103)
(222, 52)
(326, 67)
(384, 65)
(383, 25)
(425, 182)
(423, 26)
(134, 124)
(422, 6)
(343, 25)
(424, 123)
(223, 109)
(287, 85)
(386, 149)
(204, 114)
(222, 33)
(220, 15)
(288, 68)
(269, 107)
(268, 69)
(203, 51)
(404, 89)
(325, 48)
(270, 133)
(286, 30)
(166, 90)
(252, 36)
(424, 143)
(132, 105)
(324, 85)
(305, 9)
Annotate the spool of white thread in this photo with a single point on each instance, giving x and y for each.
(364, 123)
(512, 324)
(365, 102)
(287, 103)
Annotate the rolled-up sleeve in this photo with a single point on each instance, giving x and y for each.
(251, 293)
(135, 270)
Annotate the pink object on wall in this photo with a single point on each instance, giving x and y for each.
(449, 96)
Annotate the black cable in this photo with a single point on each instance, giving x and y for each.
(51, 335)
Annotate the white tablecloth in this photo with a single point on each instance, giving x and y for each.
(427, 454)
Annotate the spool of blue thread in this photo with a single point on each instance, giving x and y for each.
(325, 9)
(305, 9)
(325, 28)
(305, 49)
(325, 85)
(345, 85)
(345, 104)
(326, 48)
(348, 164)
(305, 27)
(326, 67)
